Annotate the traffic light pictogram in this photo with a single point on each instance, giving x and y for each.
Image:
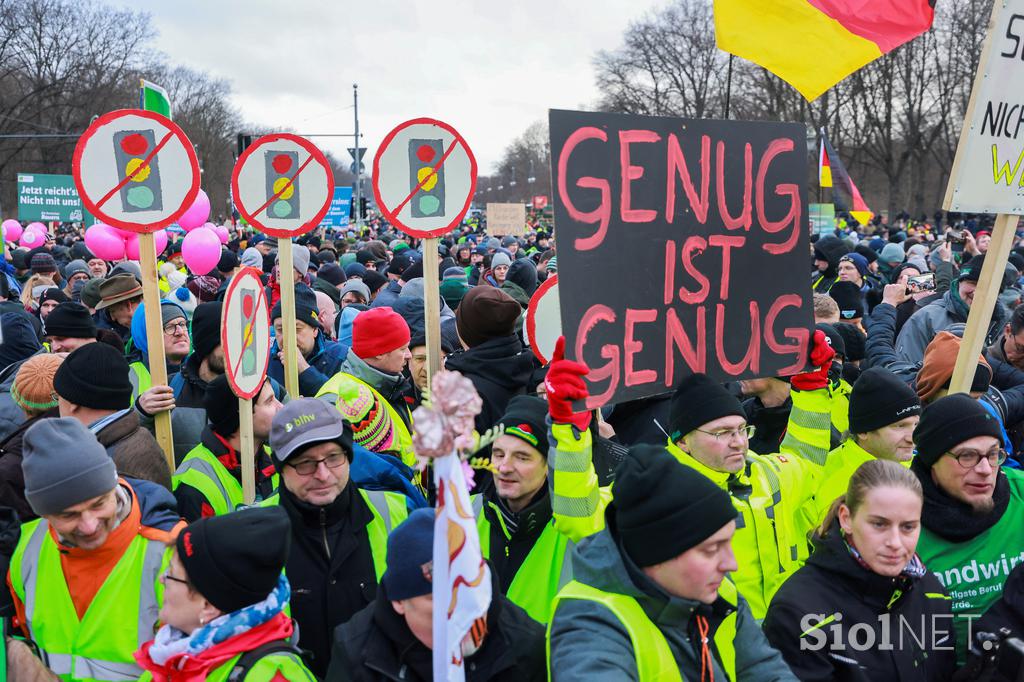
(140, 174)
(428, 200)
(282, 179)
(248, 319)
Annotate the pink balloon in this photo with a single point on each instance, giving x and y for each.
(105, 242)
(12, 230)
(197, 213)
(38, 227)
(160, 238)
(30, 239)
(222, 233)
(201, 250)
(131, 247)
(127, 234)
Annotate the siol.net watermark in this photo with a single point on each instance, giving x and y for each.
(934, 632)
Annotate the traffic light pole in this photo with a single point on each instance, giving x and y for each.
(285, 275)
(155, 338)
(359, 184)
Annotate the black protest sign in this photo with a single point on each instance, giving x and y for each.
(682, 247)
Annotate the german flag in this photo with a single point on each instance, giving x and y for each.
(814, 44)
(845, 194)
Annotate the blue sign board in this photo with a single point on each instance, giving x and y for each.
(341, 204)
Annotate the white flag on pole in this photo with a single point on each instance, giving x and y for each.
(461, 579)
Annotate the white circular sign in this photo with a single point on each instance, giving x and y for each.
(424, 177)
(283, 184)
(544, 319)
(136, 170)
(245, 333)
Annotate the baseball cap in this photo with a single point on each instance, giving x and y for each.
(306, 421)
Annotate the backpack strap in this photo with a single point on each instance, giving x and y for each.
(249, 659)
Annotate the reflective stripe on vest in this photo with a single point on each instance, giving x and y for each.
(654, 658)
(545, 570)
(389, 510)
(142, 379)
(201, 470)
(120, 618)
(402, 437)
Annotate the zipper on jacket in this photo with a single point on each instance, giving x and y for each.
(323, 532)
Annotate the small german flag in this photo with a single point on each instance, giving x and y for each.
(845, 194)
(814, 44)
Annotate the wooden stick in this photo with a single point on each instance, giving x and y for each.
(155, 339)
(432, 307)
(985, 298)
(248, 450)
(288, 343)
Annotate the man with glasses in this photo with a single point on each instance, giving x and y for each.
(339, 531)
(973, 510)
(209, 480)
(176, 347)
(1010, 346)
(708, 432)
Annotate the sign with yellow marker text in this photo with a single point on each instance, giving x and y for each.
(988, 171)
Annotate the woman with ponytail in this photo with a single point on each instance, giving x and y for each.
(864, 607)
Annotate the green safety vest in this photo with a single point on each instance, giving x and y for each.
(654, 659)
(402, 436)
(389, 509)
(974, 571)
(203, 471)
(776, 511)
(545, 570)
(141, 380)
(121, 617)
(270, 668)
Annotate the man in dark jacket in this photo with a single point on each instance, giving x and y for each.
(392, 638)
(92, 386)
(318, 358)
(120, 295)
(661, 563)
(494, 359)
(338, 549)
(827, 252)
(20, 342)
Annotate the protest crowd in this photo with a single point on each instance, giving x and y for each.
(739, 531)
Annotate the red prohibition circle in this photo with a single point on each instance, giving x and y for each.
(531, 316)
(243, 274)
(391, 215)
(317, 156)
(90, 204)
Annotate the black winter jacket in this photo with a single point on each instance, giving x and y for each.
(377, 645)
(833, 582)
(499, 369)
(330, 568)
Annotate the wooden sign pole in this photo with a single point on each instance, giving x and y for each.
(985, 297)
(288, 343)
(155, 339)
(248, 449)
(432, 306)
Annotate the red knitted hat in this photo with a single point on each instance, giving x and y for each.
(378, 331)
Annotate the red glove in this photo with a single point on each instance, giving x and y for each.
(564, 384)
(821, 357)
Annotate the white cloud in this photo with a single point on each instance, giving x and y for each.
(490, 69)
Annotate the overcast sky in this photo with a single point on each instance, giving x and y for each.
(488, 68)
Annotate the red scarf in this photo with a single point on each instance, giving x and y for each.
(184, 668)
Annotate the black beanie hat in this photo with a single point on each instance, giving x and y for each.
(374, 280)
(854, 341)
(306, 308)
(880, 398)
(664, 508)
(206, 328)
(971, 270)
(228, 261)
(95, 376)
(848, 297)
(949, 421)
(235, 560)
(835, 339)
(697, 401)
(221, 406)
(526, 419)
(71, 320)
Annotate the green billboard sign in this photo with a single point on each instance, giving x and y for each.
(48, 197)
